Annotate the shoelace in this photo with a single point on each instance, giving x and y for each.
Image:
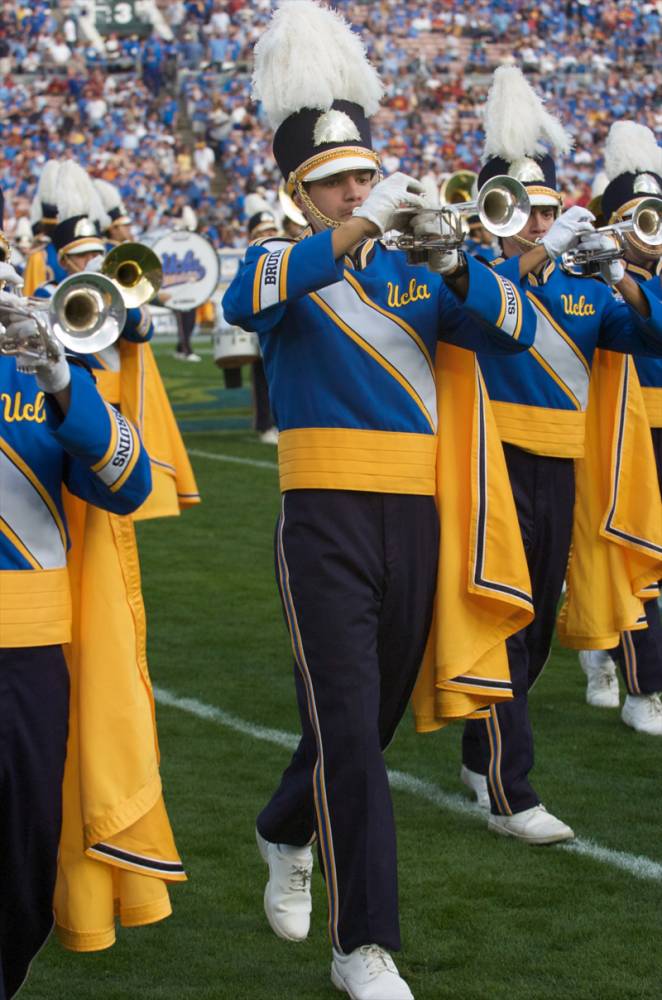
(655, 703)
(377, 960)
(300, 876)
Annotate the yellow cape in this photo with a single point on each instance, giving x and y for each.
(117, 850)
(617, 532)
(483, 585)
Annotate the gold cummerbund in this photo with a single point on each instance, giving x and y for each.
(653, 404)
(541, 430)
(35, 607)
(340, 458)
(108, 384)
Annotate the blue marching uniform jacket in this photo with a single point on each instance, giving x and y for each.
(539, 398)
(95, 452)
(349, 348)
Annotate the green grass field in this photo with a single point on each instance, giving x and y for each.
(482, 918)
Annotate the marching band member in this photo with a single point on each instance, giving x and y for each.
(348, 331)
(633, 166)
(56, 431)
(539, 400)
(117, 844)
(118, 224)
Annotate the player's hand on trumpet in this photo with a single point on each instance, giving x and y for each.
(565, 233)
(388, 198)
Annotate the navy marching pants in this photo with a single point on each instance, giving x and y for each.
(34, 708)
(639, 654)
(357, 574)
(501, 747)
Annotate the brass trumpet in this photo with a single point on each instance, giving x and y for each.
(85, 314)
(644, 225)
(502, 206)
(136, 270)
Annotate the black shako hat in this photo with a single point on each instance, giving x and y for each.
(312, 144)
(77, 235)
(627, 189)
(537, 174)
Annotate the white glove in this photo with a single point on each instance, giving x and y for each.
(52, 374)
(443, 262)
(387, 197)
(611, 271)
(425, 224)
(565, 232)
(9, 275)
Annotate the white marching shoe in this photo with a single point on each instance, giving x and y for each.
(368, 973)
(643, 712)
(287, 899)
(601, 680)
(533, 826)
(477, 783)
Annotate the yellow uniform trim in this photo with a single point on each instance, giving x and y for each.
(257, 281)
(396, 319)
(358, 339)
(282, 281)
(41, 490)
(35, 607)
(653, 403)
(18, 544)
(110, 450)
(130, 464)
(341, 458)
(540, 429)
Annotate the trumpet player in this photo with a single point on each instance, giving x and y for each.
(633, 165)
(56, 431)
(348, 331)
(539, 400)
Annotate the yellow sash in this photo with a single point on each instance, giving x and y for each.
(617, 532)
(483, 586)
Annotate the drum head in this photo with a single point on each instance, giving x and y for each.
(190, 269)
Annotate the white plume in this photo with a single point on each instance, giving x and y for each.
(35, 210)
(47, 184)
(309, 57)
(600, 182)
(74, 191)
(109, 194)
(631, 148)
(516, 121)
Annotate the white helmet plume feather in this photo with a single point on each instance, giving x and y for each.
(516, 121)
(309, 57)
(74, 191)
(47, 184)
(109, 194)
(631, 148)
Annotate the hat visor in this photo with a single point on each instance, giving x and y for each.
(263, 227)
(83, 245)
(340, 164)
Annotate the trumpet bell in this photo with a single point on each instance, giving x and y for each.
(647, 221)
(136, 270)
(87, 312)
(503, 205)
(458, 187)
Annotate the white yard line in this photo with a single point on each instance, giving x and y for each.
(233, 458)
(634, 864)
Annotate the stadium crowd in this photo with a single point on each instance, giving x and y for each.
(161, 134)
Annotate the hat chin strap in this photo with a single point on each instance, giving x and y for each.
(313, 210)
(523, 243)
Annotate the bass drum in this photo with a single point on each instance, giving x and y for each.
(234, 347)
(190, 269)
